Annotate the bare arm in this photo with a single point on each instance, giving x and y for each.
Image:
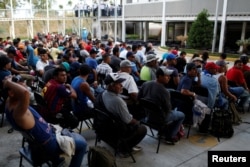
(17, 92)
(86, 89)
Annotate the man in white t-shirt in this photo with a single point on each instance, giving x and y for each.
(42, 62)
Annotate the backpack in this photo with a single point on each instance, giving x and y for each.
(222, 124)
(236, 120)
(100, 157)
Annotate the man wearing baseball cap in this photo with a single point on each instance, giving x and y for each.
(212, 85)
(148, 70)
(156, 91)
(109, 101)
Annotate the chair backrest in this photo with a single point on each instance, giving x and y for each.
(39, 99)
(199, 90)
(155, 114)
(105, 124)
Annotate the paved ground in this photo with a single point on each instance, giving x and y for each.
(188, 152)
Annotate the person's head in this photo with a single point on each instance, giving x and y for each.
(66, 66)
(205, 56)
(5, 63)
(191, 69)
(152, 60)
(126, 66)
(163, 75)
(197, 61)
(195, 55)
(130, 56)
(84, 70)
(171, 59)
(113, 82)
(183, 54)
(108, 50)
(223, 56)
(11, 51)
(222, 66)
(106, 58)
(211, 68)
(116, 51)
(43, 54)
(134, 48)
(55, 44)
(244, 59)
(238, 64)
(93, 52)
(60, 75)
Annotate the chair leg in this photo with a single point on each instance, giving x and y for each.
(188, 131)
(152, 132)
(2, 119)
(21, 161)
(80, 130)
(159, 142)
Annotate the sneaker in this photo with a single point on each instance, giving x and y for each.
(136, 149)
(171, 141)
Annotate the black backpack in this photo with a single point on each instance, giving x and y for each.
(222, 124)
(100, 157)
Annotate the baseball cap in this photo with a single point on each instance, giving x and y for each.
(125, 63)
(211, 65)
(221, 63)
(190, 66)
(175, 52)
(93, 50)
(197, 59)
(164, 71)
(151, 57)
(12, 50)
(66, 66)
(171, 56)
(113, 78)
(129, 54)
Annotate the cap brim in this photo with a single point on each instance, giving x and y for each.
(152, 59)
(120, 80)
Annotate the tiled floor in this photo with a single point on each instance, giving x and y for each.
(188, 152)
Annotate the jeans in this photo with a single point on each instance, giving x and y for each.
(176, 117)
(237, 91)
(53, 149)
(80, 150)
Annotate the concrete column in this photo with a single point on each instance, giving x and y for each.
(163, 24)
(243, 34)
(186, 28)
(123, 22)
(141, 30)
(146, 30)
(223, 24)
(119, 30)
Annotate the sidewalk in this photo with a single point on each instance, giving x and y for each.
(188, 152)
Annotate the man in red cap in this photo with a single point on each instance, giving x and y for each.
(209, 82)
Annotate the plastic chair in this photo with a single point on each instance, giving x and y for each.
(34, 153)
(155, 118)
(111, 130)
(184, 104)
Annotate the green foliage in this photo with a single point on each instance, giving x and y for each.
(244, 42)
(5, 4)
(41, 4)
(132, 36)
(201, 32)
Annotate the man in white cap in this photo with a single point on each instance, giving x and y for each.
(148, 71)
(156, 91)
(114, 104)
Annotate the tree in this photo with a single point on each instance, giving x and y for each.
(5, 4)
(42, 4)
(201, 33)
(244, 43)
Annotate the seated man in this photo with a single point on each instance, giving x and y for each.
(57, 94)
(116, 106)
(84, 94)
(156, 91)
(148, 70)
(130, 90)
(185, 87)
(17, 106)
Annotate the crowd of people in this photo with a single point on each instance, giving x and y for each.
(76, 72)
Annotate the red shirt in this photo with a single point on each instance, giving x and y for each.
(236, 75)
(245, 68)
